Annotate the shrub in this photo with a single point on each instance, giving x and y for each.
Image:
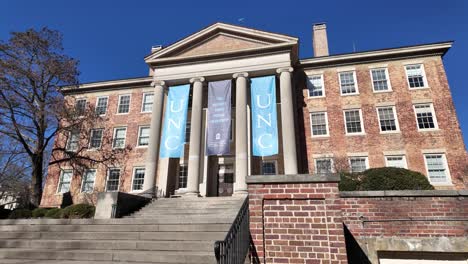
(39, 212)
(53, 213)
(4, 213)
(20, 214)
(78, 211)
(387, 178)
(349, 182)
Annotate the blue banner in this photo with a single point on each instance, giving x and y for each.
(175, 119)
(264, 118)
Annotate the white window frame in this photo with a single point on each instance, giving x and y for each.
(444, 160)
(83, 180)
(426, 85)
(356, 157)
(107, 179)
(355, 83)
(397, 124)
(434, 117)
(91, 137)
(133, 178)
(107, 104)
(272, 161)
(139, 134)
(129, 104)
(387, 76)
(113, 137)
(60, 180)
(326, 124)
(363, 132)
(403, 159)
(143, 102)
(323, 86)
(324, 158)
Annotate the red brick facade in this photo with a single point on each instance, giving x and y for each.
(303, 221)
(406, 216)
(407, 141)
(297, 223)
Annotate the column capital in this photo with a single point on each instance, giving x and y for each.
(285, 69)
(240, 74)
(158, 83)
(197, 79)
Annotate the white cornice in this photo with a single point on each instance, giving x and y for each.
(435, 48)
(103, 84)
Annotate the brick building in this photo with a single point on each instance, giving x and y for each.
(388, 107)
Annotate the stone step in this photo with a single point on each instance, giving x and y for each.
(160, 215)
(170, 211)
(109, 245)
(28, 261)
(109, 255)
(179, 219)
(168, 236)
(115, 228)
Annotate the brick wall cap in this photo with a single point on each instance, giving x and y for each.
(405, 193)
(292, 178)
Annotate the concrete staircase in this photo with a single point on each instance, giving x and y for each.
(181, 230)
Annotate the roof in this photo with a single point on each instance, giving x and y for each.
(438, 48)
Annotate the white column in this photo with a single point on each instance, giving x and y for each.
(193, 175)
(155, 136)
(287, 121)
(240, 187)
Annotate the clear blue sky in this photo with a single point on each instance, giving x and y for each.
(110, 38)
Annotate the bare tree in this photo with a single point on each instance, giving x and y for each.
(33, 110)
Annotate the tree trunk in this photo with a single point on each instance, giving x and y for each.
(36, 180)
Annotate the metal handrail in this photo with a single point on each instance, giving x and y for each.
(235, 247)
(153, 193)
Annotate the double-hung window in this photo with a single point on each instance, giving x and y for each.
(183, 172)
(118, 141)
(397, 161)
(80, 107)
(353, 121)
(138, 179)
(187, 132)
(425, 116)
(436, 165)
(95, 140)
(416, 76)
(87, 184)
(348, 84)
(319, 124)
(113, 179)
(124, 104)
(73, 140)
(380, 80)
(387, 119)
(64, 181)
(143, 136)
(147, 104)
(358, 164)
(315, 86)
(323, 165)
(268, 167)
(101, 105)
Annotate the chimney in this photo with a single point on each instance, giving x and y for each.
(319, 40)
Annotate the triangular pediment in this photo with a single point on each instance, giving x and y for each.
(219, 39)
